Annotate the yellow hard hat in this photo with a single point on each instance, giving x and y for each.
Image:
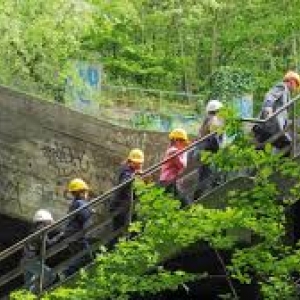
(77, 185)
(178, 134)
(136, 155)
(292, 75)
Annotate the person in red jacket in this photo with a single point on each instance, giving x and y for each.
(172, 169)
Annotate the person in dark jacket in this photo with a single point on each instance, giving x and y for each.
(31, 261)
(123, 197)
(278, 96)
(79, 191)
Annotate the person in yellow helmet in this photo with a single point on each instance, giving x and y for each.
(172, 169)
(132, 166)
(278, 96)
(79, 191)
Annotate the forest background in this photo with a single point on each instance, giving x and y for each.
(212, 48)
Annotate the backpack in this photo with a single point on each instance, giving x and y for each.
(264, 131)
(211, 143)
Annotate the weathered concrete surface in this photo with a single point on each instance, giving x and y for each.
(43, 145)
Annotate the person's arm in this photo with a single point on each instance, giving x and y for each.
(124, 176)
(216, 124)
(203, 130)
(179, 160)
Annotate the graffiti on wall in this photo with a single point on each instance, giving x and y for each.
(83, 87)
(65, 160)
(48, 194)
(10, 189)
(10, 180)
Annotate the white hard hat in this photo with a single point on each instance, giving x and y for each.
(42, 215)
(213, 105)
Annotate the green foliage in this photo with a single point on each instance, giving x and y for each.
(173, 45)
(38, 40)
(180, 45)
(231, 82)
(25, 295)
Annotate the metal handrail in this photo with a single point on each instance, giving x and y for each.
(98, 200)
(60, 246)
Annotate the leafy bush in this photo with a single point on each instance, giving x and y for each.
(228, 83)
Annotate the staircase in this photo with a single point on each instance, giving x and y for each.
(110, 222)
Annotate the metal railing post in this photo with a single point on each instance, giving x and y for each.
(42, 261)
(131, 204)
(294, 131)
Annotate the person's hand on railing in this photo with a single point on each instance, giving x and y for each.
(145, 178)
(267, 112)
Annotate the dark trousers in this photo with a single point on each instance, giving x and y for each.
(77, 263)
(171, 187)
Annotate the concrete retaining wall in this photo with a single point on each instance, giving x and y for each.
(43, 145)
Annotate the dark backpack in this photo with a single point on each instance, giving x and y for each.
(211, 143)
(264, 131)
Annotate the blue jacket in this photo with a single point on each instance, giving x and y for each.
(81, 220)
(125, 173)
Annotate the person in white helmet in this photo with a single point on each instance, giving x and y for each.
(212, 122)
(31, 261)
